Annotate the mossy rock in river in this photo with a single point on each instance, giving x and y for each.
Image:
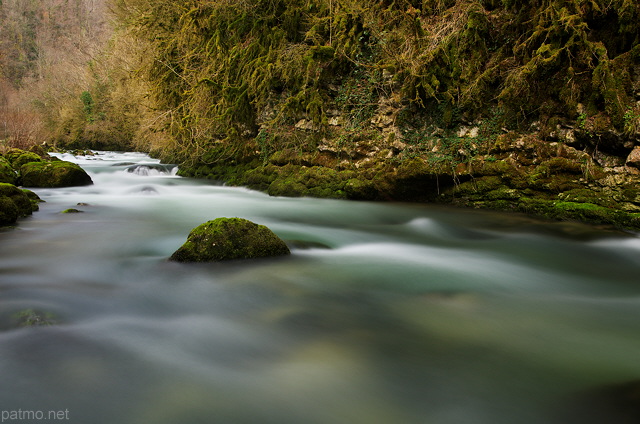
(7, 174)
(34, 198)
(229, 238)
(8, 211)
(19, 157)
(53, 174)
(20, 199)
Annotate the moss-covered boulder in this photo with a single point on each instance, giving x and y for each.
(34, 198)
(53, 174)
(229, 238)
(7, 173)
(19, 198)
(19, 157)
(8, 211)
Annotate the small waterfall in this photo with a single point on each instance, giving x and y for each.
(155, 169)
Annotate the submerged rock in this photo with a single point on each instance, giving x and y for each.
(54, 174)
(229, 238)
(33, 318)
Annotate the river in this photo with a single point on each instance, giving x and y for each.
(384, 313)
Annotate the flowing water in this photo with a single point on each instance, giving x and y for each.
(384, 313)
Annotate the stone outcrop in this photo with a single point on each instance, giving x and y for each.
(227, 239)
(53, 174)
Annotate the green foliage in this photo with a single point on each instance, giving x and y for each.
(223, 73)
(631, 119)
(88, 106)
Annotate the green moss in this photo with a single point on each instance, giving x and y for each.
(360, 189)
(33, 318)
(7, 173)
(229, 238)
(585, 212)
(19, 157)
(53, 174)
(316, 181)
(496, 167)
(71, 211)
(478, 185)
(26, 157)
(503, 193)
(18, 197)
(34, 198)
(557, 175)
(583, 195)
(287, 187)
(8, 211)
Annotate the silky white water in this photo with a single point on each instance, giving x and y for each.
(384, 313)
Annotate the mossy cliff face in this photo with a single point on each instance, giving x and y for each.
(227, 239)
(513, 105)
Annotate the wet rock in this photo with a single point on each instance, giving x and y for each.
(53, 174)
(19, 198)
(8, 211)
(227, 239)
(34, 198)
(19, 157)
(7, 174)
(634, 158)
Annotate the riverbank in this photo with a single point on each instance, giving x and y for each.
(524, 107)
(561, 176)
